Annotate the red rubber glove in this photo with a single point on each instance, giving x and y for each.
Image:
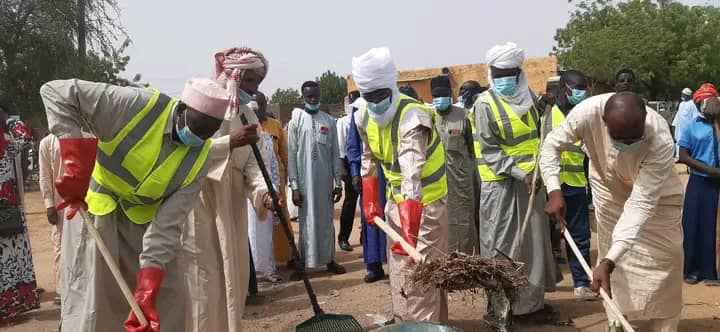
(148, 286)
(410, 212)
(78, 160)
(371, 204)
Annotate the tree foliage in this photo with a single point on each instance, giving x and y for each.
(333, 88)
(39, 43)
(287, 96)
(669, 45)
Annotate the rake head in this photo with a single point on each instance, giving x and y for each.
(330, 323)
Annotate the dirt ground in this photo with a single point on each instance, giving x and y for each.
(287, 305)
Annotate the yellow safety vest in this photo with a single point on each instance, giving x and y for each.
(518, 140)
(384, 144)
(572, 170)
(128, 170)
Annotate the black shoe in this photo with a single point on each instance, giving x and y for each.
(373, 277)
(335, 268)
(691, 281)
(344, 245)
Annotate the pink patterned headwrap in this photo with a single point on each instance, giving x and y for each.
(230, 67)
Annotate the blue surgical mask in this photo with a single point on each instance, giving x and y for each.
(381, 107)
(186, 135)
(506, 86)
(312, 108)
(576, 96)
(622, 147)
(244, 97)
(461, 99)
(442, 103)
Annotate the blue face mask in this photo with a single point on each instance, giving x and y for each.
(506, 86)
(622, 147)
(461, 99)
(442, 103)
(312, 108)
(576, 96)
(244, 97)
(381, 107)
(186, 135)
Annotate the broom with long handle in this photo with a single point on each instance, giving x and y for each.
(533, 190)
(320, 322)
(613, 307)
(114, 269)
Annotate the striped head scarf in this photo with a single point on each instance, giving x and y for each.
(230, 67)
(706, 91)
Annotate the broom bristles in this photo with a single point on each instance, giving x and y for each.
(462, 272)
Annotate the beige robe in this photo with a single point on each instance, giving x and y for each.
(215, 240)
(412, 303)
(638, 199)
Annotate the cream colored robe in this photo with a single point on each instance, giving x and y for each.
(638, 200)
(215, 240)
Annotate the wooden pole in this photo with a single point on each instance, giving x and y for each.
(615, 310)
(114, 269)
(416, 255)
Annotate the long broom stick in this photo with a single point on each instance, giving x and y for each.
(114, 269)
(613, 307)
(416, 255)
(533, 190)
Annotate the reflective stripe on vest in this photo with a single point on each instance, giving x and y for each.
(128, 169)
(384, 144)
(519, 141)
(572, 169)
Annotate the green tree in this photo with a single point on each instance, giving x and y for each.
(287, 96)
(669, 45)
(39, 43)
(333, 87)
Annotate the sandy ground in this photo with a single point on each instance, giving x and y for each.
(287, 304)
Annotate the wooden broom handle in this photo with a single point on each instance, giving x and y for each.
(416, 255)
(613, 307)
(110, 261)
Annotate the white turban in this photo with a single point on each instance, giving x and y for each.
(505, 56)
(374, 70)
(687, 92)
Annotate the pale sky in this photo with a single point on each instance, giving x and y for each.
(176, 40)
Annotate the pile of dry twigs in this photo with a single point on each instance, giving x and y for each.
(462, 272)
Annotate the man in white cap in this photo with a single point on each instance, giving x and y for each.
(150, 165)
(215, 241)
(506, 126)
(398, 133)
(686, 113)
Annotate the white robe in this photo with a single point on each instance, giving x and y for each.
(638, 200)
(215, 240)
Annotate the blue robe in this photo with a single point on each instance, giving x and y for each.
(374, 241)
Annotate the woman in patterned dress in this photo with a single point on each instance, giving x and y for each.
(17, 277)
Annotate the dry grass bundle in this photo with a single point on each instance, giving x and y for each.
(462, 272)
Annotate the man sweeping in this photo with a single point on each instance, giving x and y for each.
(506, 129)
(453, 128)
(150, 165)
(215, 241)
(398, 133)
(638, 200)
